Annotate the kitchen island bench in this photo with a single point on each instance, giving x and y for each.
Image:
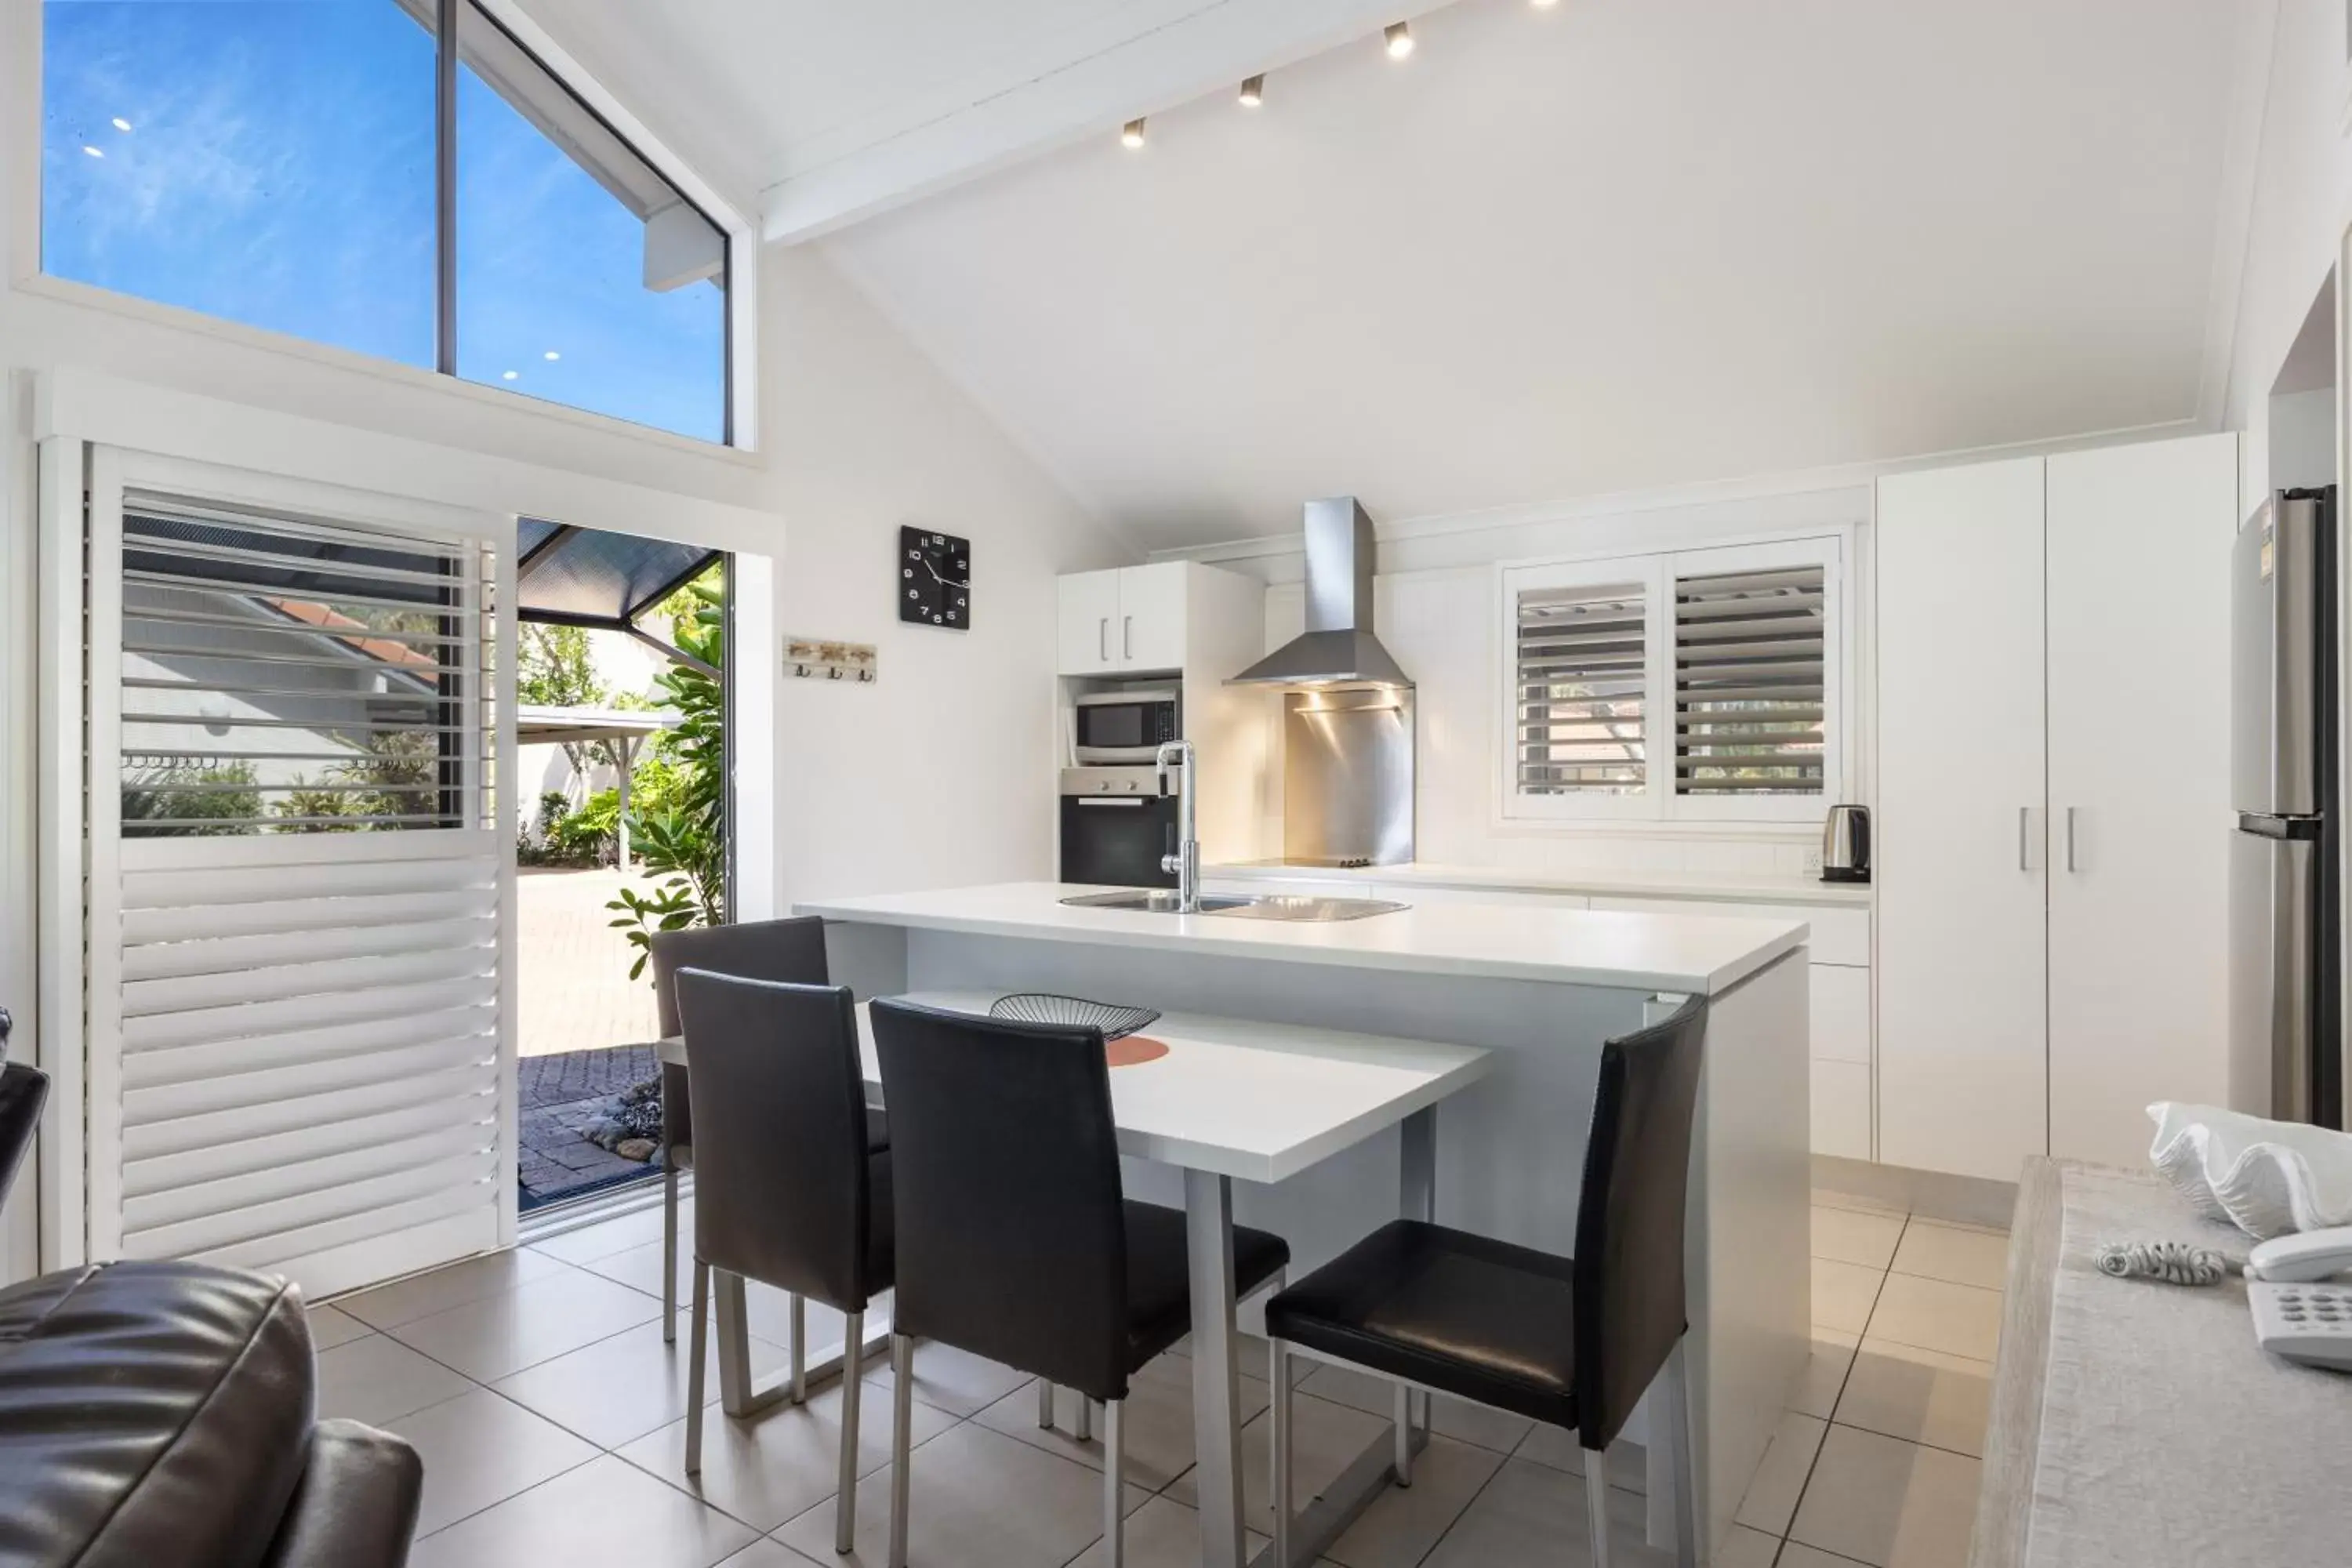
(1540, 991)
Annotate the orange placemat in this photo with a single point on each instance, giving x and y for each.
(1132, 1049)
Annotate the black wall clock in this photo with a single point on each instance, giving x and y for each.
(934, 579)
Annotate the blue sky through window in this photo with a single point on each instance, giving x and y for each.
(271, 161)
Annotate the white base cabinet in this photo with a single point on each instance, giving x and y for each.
(2053, 802)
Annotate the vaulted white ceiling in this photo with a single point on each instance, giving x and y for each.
(1557, 253)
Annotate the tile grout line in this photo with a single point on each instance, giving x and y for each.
(1797, 1507)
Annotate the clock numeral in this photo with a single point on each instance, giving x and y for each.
(914, 594)
(906, 570)
(914, 555)
(939, 620)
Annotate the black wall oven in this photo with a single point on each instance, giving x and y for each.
(1115, 826)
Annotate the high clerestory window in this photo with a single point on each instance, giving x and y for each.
(310, 167)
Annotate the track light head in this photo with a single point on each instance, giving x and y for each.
(1253, 92)
(1132, 134)
(1400, 39)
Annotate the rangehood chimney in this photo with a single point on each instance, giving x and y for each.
(1339, 649)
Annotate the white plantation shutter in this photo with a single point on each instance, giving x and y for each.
(1697, 685)
(1582, 689)
(299, 905)
(1750, 682)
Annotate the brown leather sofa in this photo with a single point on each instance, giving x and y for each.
(162, 1416)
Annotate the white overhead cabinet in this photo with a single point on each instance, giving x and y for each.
(2053, 802)
(1128, 617)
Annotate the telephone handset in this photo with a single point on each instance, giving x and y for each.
(2298, 1314)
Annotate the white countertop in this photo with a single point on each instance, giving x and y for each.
(1257, 1101)
(1598, 884)
(1668, 953)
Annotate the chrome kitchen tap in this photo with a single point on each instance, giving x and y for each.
(1186, 862)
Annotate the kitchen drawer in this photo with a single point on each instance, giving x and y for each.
(1520, 898)
(1286, 886)
(1841, 1109)
(1841, 933)
(1841, 1007)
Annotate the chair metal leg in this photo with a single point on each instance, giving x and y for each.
(1114, 1483)
(1404, 1463)
(800, 1351)
(1596, 1503)
(670, 1252)
(1084, 1430)
(845, 1498)
(700, 1330)
(1045, 1405)
(1280, 1371)
(902, 1415)
(1675, 1389)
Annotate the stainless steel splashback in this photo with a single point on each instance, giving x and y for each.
(1346, 776)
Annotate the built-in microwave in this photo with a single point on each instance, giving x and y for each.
(1112, 728)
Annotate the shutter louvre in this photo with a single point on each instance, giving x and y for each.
(1751, 682)
(1582, 682)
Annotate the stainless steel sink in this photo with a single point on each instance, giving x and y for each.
(1265, 906)
(1153, 901)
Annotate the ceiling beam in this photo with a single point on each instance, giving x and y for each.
(1162, 55)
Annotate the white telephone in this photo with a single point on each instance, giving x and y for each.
(2297, 1316)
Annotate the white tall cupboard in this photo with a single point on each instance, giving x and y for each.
(2053, 802)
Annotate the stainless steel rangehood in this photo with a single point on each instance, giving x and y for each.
(1338, 648)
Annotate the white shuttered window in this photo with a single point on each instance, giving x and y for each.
(1701, 685)
(299, 907)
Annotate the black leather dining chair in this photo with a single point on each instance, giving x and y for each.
(1570, 1341)
(786, 1191)
(1016, 1238)
(791, 950)
(23, 1091)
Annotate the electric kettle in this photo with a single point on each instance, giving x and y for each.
(1845, 844)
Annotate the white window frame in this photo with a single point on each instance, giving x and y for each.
(1658, 805)
(20, 104)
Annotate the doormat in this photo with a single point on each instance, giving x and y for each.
(561, 1103)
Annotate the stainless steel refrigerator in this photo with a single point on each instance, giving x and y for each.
(2287, 1054)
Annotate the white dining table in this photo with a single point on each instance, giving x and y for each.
(1231, 1099)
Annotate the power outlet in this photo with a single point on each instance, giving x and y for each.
(1813, 862)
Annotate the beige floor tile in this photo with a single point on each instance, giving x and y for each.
(500, 1335)
(376, 1380)
(602, 1510)
(948, 1379)
(1780, 1478)
(1158, 1416)
(766, 1554)
(1532, 1514)
(1499, 1430)
(1824, 1198)
(1797, 1554)
(1817, 1389)
(1902, 1391)
(1889, 1503)
(1326, 1440)
(421, 1295)
(1401, 1524)
(1629, 1465)
(618, 1389)
(769, 1313)
(330, 1327)
(785, 1460)
(1161, 1534)
(639, 1268)
(480, 1449)
(1963, 1256)
(1849, 1235)
(1936, 1315)
(976, 1500)
(1746, 1548)
(1843, 1295)
(606, 1238)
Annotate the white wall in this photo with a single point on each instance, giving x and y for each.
(1436, 608)
(2302, 200)
(939, 772)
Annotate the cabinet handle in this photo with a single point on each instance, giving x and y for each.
(1126, 637)
(2070, 840)
(2024, 831)
(1102, 639)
